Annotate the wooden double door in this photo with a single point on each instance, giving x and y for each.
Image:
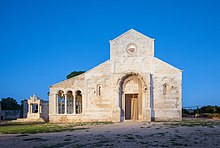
(131, 106)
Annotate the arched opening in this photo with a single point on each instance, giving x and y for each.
(130, 95)
(34, 108)
(78, 102)
(99, 90)
(70, 102)
(61, 102)
(165, 89)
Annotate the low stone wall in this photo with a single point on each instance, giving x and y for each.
(10, 114)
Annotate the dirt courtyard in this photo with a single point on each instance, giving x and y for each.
(128, 134)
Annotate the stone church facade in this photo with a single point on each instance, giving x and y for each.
(131, 85)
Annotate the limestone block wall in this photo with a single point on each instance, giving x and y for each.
(95, 107)
(99, 106)
(145, 45)
(45, 110)
(133, 64)
(167, 104)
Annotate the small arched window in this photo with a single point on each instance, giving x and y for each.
(99, 90)
(165, 89)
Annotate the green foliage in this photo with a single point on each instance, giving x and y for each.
(74, 73)
(185, 112)
(28, 128)
(208, 109)
(10, 104)
(209, 115)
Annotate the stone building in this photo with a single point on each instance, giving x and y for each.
(131, 85)
(35, 109)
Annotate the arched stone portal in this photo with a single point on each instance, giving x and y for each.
(131, 97)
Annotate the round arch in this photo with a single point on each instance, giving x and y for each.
(78, 101)
(131, 88)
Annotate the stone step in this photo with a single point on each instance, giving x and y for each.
(29, 120)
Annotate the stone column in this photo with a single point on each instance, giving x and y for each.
(55, 104)
(39, 108)
(29, 111)
(74, 104)
(152, 96)
(30, 108)
(65, 107)
(83, 103)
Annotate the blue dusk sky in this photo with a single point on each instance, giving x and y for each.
(42, 41)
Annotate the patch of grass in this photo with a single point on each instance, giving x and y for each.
(44, 128)
(37, 128)
(194, 122)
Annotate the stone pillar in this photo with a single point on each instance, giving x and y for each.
(65, 107)
(55, 104)
(148, 104)
(152, 96)
(116, 110)
(30, 108)
(39, 108)
(74, 104)
(83, 103)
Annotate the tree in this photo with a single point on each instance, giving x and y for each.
(10, 104)
(208, 109)
(74, 73)
(185, 111)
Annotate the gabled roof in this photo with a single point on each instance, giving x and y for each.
(131, 31)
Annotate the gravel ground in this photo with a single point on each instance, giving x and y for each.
(127, 134)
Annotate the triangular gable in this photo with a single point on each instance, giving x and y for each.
(131, 31)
